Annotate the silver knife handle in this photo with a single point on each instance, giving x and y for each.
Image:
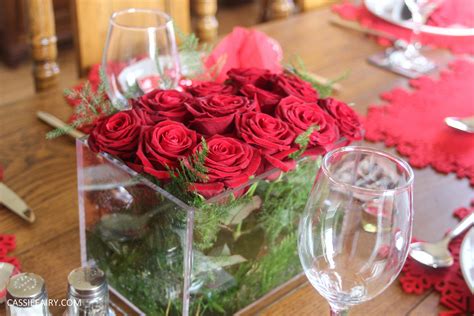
(462, 226)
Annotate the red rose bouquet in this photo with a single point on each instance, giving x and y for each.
(190, 199)
(253, 122)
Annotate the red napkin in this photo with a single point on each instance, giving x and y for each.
(244, 48)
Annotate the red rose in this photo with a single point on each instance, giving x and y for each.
(229, 163)
(287, 85)
(346, 119)
(162, 146)
(266, 99)
(215, 114)
(208, 88)
(242, 76)
(117, 134)
(160, 105)
(270, 135)
(300, 116)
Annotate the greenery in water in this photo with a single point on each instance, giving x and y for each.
(240, 252)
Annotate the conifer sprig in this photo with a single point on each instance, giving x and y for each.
(191, 169)
(302, 140)
(92, 105)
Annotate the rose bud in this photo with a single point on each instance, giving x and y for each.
(291, 85)
(267, 100)
(208, 88)
(160, 105)
(215, 114)
(161, 146)
(117, 134)
(242, 76)
(271, 136)
(229, 163)
(346, 118)
(300, 116)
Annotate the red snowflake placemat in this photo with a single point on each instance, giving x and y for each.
(413, 121)
(445, 15)
(449, 282)
(8, 244)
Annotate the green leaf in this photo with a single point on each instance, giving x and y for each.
(240, 212)
(226, 261)
(303, 141)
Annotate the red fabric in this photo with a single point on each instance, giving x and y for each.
(449, 282)
(245, 48)
(445, 15)
(414, 121)
(453, 12)
(8, 244)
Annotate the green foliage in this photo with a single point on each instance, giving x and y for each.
(191, 170)
(148, 269)
(303, 141)
(92, 105)
(298, 68)
(285, 200)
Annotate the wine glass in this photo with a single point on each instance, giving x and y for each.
(355, 232)
(410, 57)
(140, 54)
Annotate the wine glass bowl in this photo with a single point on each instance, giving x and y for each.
(140, 54)
(355, 232)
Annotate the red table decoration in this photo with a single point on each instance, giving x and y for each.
(449, 282)
(444, 16)
(413, 121)
(8, 244)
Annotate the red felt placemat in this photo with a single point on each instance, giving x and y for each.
(446, 15)
(413, 121)
(449, 282)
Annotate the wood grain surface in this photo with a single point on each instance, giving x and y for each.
(44, 172)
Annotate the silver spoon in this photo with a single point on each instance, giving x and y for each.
(437, 255)
(465, 124)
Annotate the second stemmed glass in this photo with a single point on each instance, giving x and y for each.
(140, 54)
(355, 233)
(410, 57)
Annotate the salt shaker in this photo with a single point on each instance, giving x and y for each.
(88, 293)
(26, 296)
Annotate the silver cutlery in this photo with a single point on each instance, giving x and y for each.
(466, 259)
(465, 124)
(437, 254)
(16, 204)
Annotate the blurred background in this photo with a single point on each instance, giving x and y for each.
(58, 38)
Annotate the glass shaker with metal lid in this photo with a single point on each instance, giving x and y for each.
(26, 296)
(88, 293)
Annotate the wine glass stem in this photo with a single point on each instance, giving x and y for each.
(339, 312)
(413, 46)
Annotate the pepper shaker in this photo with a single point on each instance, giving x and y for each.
(88, 293)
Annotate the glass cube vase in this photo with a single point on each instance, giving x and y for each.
(167, 256)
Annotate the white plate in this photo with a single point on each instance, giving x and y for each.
(393, 11)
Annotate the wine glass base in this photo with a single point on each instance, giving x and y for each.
(396, 61)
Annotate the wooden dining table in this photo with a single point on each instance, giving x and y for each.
(43, 171)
